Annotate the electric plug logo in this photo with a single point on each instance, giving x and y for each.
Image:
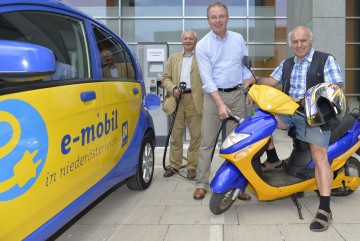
(23, 147)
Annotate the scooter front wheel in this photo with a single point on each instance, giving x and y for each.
(220, 202)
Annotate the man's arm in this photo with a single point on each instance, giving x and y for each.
(260, 81)
(266, 81)
(167, 81)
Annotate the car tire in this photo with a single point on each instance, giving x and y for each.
(145, 170)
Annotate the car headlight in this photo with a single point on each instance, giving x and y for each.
(234, 138)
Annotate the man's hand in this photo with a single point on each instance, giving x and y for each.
(176, 93)
(299, 101)
(249, 101)
(223, 112)
(249, 82)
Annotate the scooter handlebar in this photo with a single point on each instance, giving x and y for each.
(235, 117)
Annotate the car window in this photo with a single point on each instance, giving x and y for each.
(115, 59)
(64, 35)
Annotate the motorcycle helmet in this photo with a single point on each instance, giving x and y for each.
(323, 103)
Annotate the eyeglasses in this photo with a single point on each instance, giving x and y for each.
(220, 17)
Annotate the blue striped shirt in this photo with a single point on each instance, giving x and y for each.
(220, 61)
(332, 74)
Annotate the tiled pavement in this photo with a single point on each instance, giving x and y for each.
(167, 212)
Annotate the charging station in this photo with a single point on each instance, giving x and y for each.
(152, 57)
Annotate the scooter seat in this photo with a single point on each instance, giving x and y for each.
(339, 131)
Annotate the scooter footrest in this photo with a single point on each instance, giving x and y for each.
(339, 192)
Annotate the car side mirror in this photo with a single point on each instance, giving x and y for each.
(21, 61)
(152, 101)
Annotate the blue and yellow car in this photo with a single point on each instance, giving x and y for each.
(71, 127)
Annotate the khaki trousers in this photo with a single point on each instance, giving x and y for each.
(186, 114)
(211, 123)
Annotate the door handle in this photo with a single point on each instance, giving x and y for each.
(88, 96)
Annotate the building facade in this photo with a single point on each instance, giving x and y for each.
(264, 24)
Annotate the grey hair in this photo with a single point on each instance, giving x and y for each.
(308, 29)
(107, 52)
(189, 31)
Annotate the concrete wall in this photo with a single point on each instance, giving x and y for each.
(326, 18)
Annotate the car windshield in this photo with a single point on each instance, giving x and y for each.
(64, 35)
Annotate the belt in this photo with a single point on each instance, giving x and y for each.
(186, 91)
(230, 89)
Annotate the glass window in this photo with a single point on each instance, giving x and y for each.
(352, 30)
(112, 24)
(64, 35)
(267, 8)
(352, 72)
(201, 27)
(152, 30)
(199, 8)
(262, 23)
(267, 55)
(352, 8)
(96, 7)
(116, 62)
(175, 48)
(352, 56)
(151, 7)
(262, 31)
(267, 31)
(352, 84)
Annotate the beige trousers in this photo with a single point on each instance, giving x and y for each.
(211, 123)
(186, 114)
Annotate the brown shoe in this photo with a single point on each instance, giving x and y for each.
(191, 174)
(244, 196)
(170, 171)
(199, 194)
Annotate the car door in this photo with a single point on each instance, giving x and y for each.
(51, 129)
(122, 102)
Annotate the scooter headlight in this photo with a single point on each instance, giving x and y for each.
(234, 138)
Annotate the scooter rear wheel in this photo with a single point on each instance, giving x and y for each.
(352, 169)
(220, 202)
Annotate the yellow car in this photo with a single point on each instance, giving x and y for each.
(69, 129)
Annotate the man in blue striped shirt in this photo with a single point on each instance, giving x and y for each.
(296, 75)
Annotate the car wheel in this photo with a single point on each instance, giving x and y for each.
(145, 171)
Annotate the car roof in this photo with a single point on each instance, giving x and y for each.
(45, 3)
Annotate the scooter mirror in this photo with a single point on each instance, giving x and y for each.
(247, 61)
